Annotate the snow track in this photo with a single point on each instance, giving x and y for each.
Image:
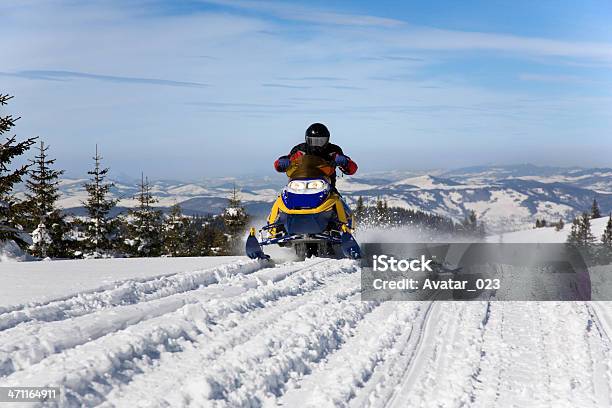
(297, 335)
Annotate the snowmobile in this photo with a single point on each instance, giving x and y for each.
(308, 215)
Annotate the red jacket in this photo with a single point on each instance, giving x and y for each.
(328, 153)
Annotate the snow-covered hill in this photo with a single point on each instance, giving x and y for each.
(506, 197)
(547, 234)
(596, 179)
(245, 334)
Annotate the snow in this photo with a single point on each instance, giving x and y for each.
(189, 190)
(41, 281)
(424, 182)
(547, 234)
(229, 331)
(348, 185)
(10, 252)
(507, 209)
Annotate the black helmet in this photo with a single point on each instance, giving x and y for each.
(317, 135)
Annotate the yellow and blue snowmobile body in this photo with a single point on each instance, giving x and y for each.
(309, 215)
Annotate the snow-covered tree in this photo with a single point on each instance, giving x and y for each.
(42, 212)
(10, 211)
(595, 212)
(235, 219)
(144, 225)
(99, 227)
(174, 233)
(560, 225)
(41, 241)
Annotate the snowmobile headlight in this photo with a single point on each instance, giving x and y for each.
(316, 185)
(297, 185)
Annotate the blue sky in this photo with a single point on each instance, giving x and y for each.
(190, 89)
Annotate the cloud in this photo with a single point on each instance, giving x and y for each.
(307, 14)
(556, 78)
(393, 58)
(404, 35)
(431, 39)
(273, 85)
(51, 75)
(238, 105)
(312, 78)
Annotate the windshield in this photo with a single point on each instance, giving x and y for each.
(310, 166)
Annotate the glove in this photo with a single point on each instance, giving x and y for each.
(283, 163)
(341, 160)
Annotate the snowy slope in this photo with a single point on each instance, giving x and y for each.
(547, 234)
(30, 281)
(248, 334)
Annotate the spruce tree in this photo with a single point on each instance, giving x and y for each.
(381, 211)
(580, 234)
(144, 224)
(175, 233)
(235, 220)
(359, 209)
(586, 235)
(10, 211)
(41, 241)
(45, 220)
(42, 184)
(573, 238)
(99, 228)
(606, 238)
(595, 212)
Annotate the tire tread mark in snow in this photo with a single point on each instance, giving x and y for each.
(422, 333)
(138, 349)
(131, 291)
(28, 344)
(219, 375)
(600, 354)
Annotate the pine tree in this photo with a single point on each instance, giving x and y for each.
(10, 210)
(41, 241)
(50, 227)
(359, 209)
(586, 235)
(175, 233)
(381, 212)
(595, 212)
(538, 223)
(580, 234)
(606, 238)
(144, 224)
(42, 184)
(560, 225)
(99, 228)
(235, 219)
(573, 238)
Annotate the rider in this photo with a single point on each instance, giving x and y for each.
(317, 143)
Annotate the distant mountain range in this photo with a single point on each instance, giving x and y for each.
(505, 197)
